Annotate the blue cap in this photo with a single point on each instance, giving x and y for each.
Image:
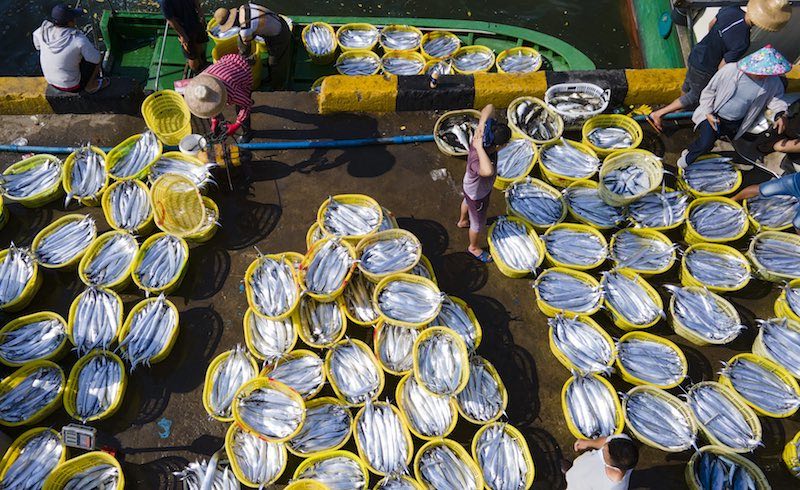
(488, 133)
(62, 14)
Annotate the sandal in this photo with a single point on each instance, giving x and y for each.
(483, 257)
(101, 84)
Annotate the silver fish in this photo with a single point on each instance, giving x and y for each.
(32, 341)
(721, 417)
(718, 269)
(718, 220)
(774, 211)
(394, 482)
(383, 438)
(354, 65)
(482, 398)
(427, 414)
(319, 40)
(587, 203)
(575, 247)
(33, 181)
(395, 346)
(457, 317)
(565, 292)
(31, 394)
(337, 473)
(534, 204)
(354, 372)
(137, 157)
(653, 362)
(401, 40)
(761, 386)
(16, 272)
(591, 407)
(150, 331)
(211, 475)
(66, 242)
(37, 458)
(99, 386)
(390, 255)
(630, 299)
(456, 132)
(610, 138)
(327, 426)
(440, 364)
(781, 343)
(714, 175)
(536, 121)
(411, 302)
(471, 61)
(520, 63)
(112, 261)
(401, 65)
(583, 345)
(269, 412)
(501, 459)
(302, 373)
(358, 38)
(358, 298)
(88, 174)
(514, 158)
(260, 461)
(717, 471)
(641, 252)
(441, 46)
(628, 181)
(659, 209)
(161, 262)
(700, 312)
(513, 246)
(227, 378)
(271, 339)
(348, 219)
(97, 320)
(442, 469)
(777, 256)
(129, 205)
(577, 103)
(274, 291)
(199, 174)
(659, 420)
(98, 477)
(321, 323)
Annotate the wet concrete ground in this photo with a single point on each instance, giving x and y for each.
(272, 213)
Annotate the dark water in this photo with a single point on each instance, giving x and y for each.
(595, 27)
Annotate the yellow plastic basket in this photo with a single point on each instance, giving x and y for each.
(790, 456)
(518, 438)
(405, 278)
(52, 227)
(357, 26)
(209, 228)
(126, 328)
(612, 120)
(687, 279)
(309, 462)
(178, 207)
(71, 391)
(304, 331)
(3, 213)
(502, 183)
(781, 307)
(317, 402)
(406, 436)
(476, 325)
(47, 195)
(251, 269)
(749, 415)
(545, 187)
(399, 396)
(564, 360)
(549, 310)
(689, 334)
(648, 234)
(577, 228)
(444, 147)
(387, 235)
(757, 226)
(143, 228)
(460, 453)
(119, 283)
(332, 380)
(775, 369)
(511, 117)
(445, 67)
(573, 428)
(670, 399)
(291, 356)
(643, 159)
(22, 321)
(477, 48)
(555, 178)
(679, 219)
(692, 236)
(175, 282)
(13, 452)
(122, 149)
(505, 268)
(208, 385)
(230, 436)
(359, 53)
(220, 41)
(648, 337)
(399, 28)
(430, 36)
(28, 292)
(314, 235)
(590, 184)
(755, 472)
(12, 380)
(167, 115)
(463, 354)
(73, 312)
(523, 50)
(306, 484)
(250, 342)
(424, 263)
(325, 58)
(683, 185)
(403, 55)
(760, 349)
(356, 200)
(621, 321)
(758, 268)
(415, 485)
(66, 180)
(501, 388)
(258, 383)
(377, 342)
(68, 469)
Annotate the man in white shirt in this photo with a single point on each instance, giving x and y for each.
(70, 62)
(607, 464)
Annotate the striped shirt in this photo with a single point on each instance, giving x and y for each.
(234, 73)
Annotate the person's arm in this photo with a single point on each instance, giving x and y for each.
(585, 444)
(485, 165)
(89, 52)
(244, 113)
(778, 108)
(748, 192)
(707, 97)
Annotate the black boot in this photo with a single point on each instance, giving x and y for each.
(247, 132)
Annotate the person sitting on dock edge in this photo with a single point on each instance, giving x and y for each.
(69, 60)
(788, 185)
(254, 20)
(229, 81)
(479, 178)
(186, 17)
(727, 40)
(735, 98)
(606, 464)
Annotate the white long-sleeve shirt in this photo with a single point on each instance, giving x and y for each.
(61, 50)
(588, 472)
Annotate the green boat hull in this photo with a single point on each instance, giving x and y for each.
(136, 43)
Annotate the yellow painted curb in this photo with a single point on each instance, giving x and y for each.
(342, 93)
(501, 88)
(653, 86)
(23, 95)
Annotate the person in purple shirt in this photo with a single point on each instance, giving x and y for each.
(479, 178)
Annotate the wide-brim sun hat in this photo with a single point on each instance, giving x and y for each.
(206, 96)
(226, 18)
(770, 15)
(766, 61)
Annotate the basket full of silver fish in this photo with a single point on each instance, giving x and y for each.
(659, 419)
(715, 176)
(133, 157)
(775, 255)
(327, 268)
(586, 205)
(769, 389)
(149, 332)
(31, 393)
(64, 241)
(473, 59)
(644, 358)
(718, 267)
(515, 160)
(662, 209)
(626, 176)
(269, 409)
(403, 63)
(724, 417)
(254, 461)
(321, 324)
(269, 340)
(84, 175)
(519, 59)
(394, 347)
(95, 470)
(576, 102)
(576, 246)
(271, 288)
(32, 182)
(353, 372)
(632, 301)
(428, 416)
(358, 62)
(357, 300)
(95, 319)
(559, 289)
(516, 248)
(484, 398)
(565, 161)
(445, 465)
(438, 45)
(646, 252)
(301, 370)
(717, 464)
(532, 118)
(160, 263)
(19, 278)
(441, 364)
(319, 40)
(503, 457)
(400, 38)
(214, 474)
(109, 260)
(388, 252)
(95, 386)
(536, 202)
(581, 345)
(382, 438)
(38, 452)
(177, 163)
(357, 36)
(454, 130)
(457, 315)
(225, 375)
(407, 300)
(778, 340)
(127, 206)
(714, 220)
(35, 337)
(591, 407)
(337, 470)
(703, 317)
(774, 213)
(328, 426)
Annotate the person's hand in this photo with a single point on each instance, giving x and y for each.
(477, 139)
(232, 128)
(713, 121)
(184, 44)
(580, 445)
(214, 125)
(780, 124)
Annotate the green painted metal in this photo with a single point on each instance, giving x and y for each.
(134, 41)
(657, 51)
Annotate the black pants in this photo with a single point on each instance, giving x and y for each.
(707, 136)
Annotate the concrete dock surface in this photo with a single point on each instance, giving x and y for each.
(269, 208)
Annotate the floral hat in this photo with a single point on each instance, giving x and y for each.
(765, 61)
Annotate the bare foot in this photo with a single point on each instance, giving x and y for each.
(463, 223)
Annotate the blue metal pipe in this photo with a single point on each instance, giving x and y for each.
(266, 145)
(674, 115)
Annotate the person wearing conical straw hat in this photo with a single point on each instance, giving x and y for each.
(727, 40)
(229, 81)
(735, 98)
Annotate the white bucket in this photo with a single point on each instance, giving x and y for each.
(192, 144)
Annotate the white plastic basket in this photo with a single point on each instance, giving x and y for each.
(587, 88)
